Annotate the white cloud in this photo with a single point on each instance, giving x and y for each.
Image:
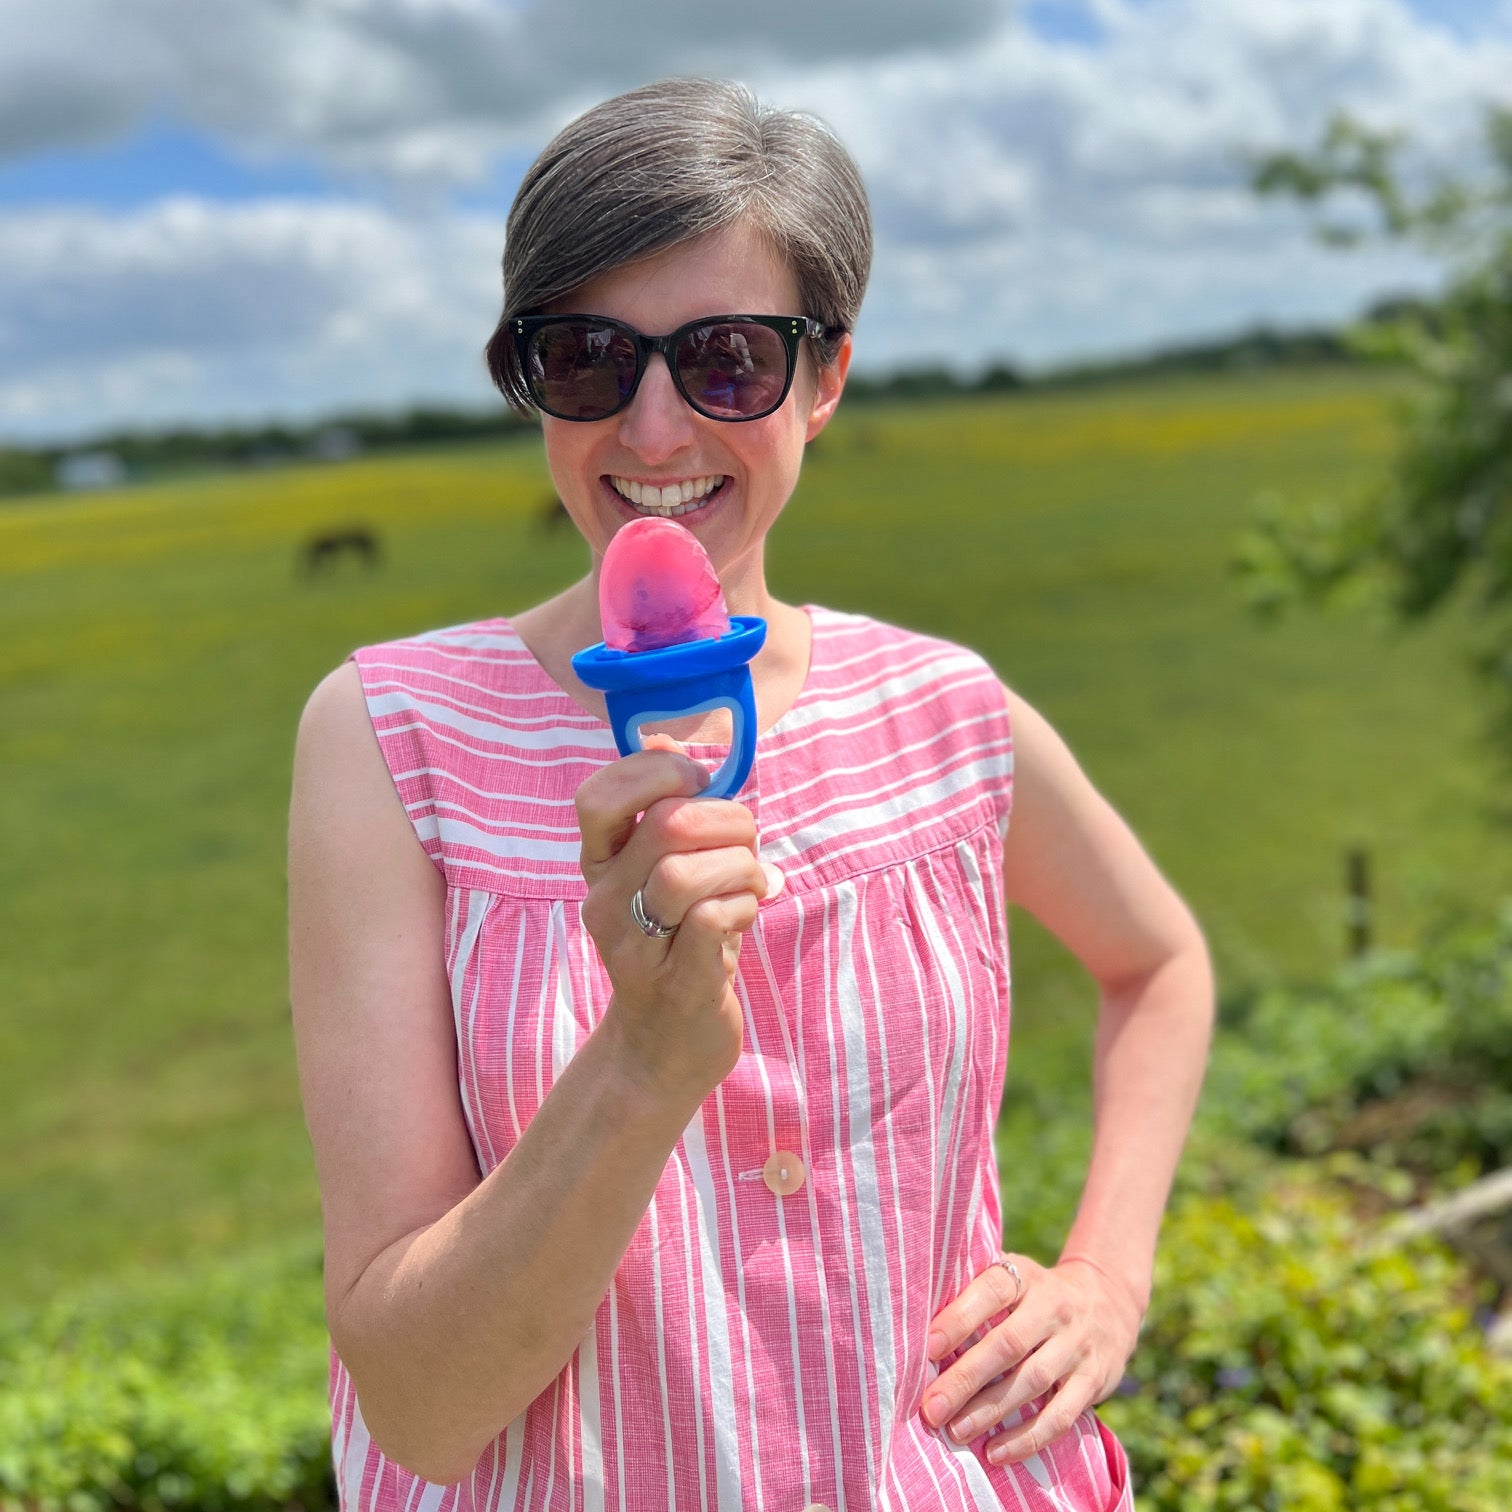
(1178, 94)
(1034, 199)
(422, 91)
(1097, 198)
(193, 309)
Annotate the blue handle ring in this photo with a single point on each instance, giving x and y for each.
(645, 687)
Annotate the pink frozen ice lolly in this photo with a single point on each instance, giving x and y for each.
(657, 588)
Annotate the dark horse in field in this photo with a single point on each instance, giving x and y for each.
(322, 551)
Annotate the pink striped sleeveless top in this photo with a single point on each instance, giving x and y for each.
(763, 1344)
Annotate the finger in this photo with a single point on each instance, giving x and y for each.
(1015, 1387)
(988, 1294)
(715, 919)
(1036, 1432)
(685, 824)
(670, 825)
(999, 1352)
(659, 740)
(609, 800)
(681, 878)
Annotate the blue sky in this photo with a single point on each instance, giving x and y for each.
(157, 157)
(250, 211)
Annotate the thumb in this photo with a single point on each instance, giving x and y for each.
(658, 740)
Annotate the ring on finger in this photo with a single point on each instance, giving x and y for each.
(1018, 1279)
(653, 929)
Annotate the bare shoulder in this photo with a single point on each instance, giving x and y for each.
(338, 692)
(345, 815)
(1073, 861)
(369, 992)
(335, 722)
(1049, 785)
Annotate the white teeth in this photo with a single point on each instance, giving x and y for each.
(673, 499)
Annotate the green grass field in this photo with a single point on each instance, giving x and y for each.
(156, 648)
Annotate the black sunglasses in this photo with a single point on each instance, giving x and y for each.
(728, 367)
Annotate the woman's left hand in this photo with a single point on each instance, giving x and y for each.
(1069, 1334)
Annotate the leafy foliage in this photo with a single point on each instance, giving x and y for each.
(1356, 157)
(204, 1390)
(1289, 1366)
(1426, 1039)
(1440, 526)
(1294, 1358)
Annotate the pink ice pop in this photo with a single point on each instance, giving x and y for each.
(657, 588)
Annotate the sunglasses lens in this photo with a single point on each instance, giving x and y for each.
(733, 370)
(580, 370)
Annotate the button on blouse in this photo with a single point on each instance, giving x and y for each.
(763, 1341)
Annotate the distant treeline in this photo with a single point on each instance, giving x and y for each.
(138, 454)
(1253, 350)
(130, 455)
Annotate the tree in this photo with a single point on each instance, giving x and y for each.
(1438, 528)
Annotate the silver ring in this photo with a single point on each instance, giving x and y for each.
(1013, 1271)
(653, 929)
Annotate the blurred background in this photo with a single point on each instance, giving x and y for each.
(1183, 392)
(257, 211)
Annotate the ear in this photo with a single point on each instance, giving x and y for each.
(828, 385)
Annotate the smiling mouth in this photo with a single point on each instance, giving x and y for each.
(669, 500)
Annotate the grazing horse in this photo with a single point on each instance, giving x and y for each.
(322, 551)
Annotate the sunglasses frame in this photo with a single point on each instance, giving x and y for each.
(792, 329)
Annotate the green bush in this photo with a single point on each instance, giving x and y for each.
(1426, 1037)
(1286, 1364)
(204, 1390)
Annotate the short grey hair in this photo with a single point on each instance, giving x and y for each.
(669, 162)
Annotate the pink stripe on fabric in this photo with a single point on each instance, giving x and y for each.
(753, 1351)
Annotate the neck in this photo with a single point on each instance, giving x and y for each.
(745, 587)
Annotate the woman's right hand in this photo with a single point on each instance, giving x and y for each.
(674, 1003)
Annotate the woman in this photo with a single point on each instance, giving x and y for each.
(654, 1135)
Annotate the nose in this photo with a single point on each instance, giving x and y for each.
(658, 422)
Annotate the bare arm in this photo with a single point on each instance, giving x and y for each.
(454, 1301)
(1073, 863)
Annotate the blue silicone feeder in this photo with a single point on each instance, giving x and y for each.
(695, 677)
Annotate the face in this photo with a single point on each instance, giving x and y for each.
(659, 440)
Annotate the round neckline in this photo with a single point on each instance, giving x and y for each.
(702, 747)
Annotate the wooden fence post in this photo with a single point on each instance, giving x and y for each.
(1357, 868)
